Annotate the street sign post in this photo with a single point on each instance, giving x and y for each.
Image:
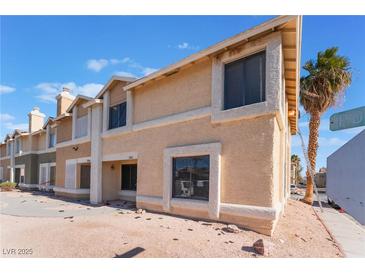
(348, 119)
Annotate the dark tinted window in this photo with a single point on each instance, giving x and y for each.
(244, 81)
(129, 177)
(191, 177)
(117, 115)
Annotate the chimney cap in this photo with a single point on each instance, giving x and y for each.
(66, 89)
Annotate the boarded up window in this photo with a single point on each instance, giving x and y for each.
(52, 175)
(85, 176)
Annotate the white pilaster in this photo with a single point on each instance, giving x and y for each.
(96, 159)
(89, 128)
(74, 119)
(129, 121)
(12, 161)
(47, 137)
(106, 103)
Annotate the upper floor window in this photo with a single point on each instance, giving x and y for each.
(17, 145)
(52, 140)
(244, 81)
(8, 148)
(81, 126)
(117, 115)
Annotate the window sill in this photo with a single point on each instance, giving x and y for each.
(73, 142)
(243, 112)
(116, 131)
(190, 204)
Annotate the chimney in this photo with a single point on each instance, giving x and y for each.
(64, 100)
(36, 119)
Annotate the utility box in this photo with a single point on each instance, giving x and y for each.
(346, 177)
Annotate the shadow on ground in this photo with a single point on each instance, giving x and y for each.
(131, 253)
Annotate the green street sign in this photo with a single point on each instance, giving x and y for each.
(348, 119)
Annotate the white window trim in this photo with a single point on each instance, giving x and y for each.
(214, 152)
(273, 49)
(75, 162)
(48, 173)
(22, 166)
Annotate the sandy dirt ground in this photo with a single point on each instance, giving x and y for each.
(121, 232)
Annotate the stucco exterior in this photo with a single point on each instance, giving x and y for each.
(186, 90)
(66, 153)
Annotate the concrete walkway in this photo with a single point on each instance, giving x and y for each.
(348, 234)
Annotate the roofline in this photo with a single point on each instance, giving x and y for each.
(76, 99)
(111, 80)
(63, 115)
(277, 21)
(92, 102)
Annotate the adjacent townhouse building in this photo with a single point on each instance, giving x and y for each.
(207, 137)
(73, 146)
(30, 155)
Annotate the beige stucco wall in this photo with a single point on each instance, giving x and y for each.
(117, 94)
(111, 179)
(186, 90)
(2, 150)
(64, 130)
(6, 171)
(247, 156)
(65, 153)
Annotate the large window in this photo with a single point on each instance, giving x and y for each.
(117, 115)
(244, 81)
(129, 177)
(191, 177)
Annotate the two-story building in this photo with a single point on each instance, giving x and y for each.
(207, 137)
(30, 155)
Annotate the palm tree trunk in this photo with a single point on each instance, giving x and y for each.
(314, 122)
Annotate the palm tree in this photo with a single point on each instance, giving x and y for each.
(327, 79)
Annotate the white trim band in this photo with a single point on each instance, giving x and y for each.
(76, 141)
(258, 212)
(120, 156)
(71, 190)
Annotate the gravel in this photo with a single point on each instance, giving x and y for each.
(106, 233)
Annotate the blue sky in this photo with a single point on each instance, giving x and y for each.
(39, 54)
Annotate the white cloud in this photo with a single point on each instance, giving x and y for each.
(4, 117)
(125, 74)
(48, 91)
(147, 71)
(21, 126)
(186, 45)
(6, 89)
(97, 64)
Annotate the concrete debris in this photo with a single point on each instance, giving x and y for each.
(258, 246)
(140, 211)
(231, 229)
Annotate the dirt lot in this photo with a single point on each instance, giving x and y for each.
(66, 229)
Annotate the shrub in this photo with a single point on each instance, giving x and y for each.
(7, 186)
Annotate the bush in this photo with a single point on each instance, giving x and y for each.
(7, 186)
